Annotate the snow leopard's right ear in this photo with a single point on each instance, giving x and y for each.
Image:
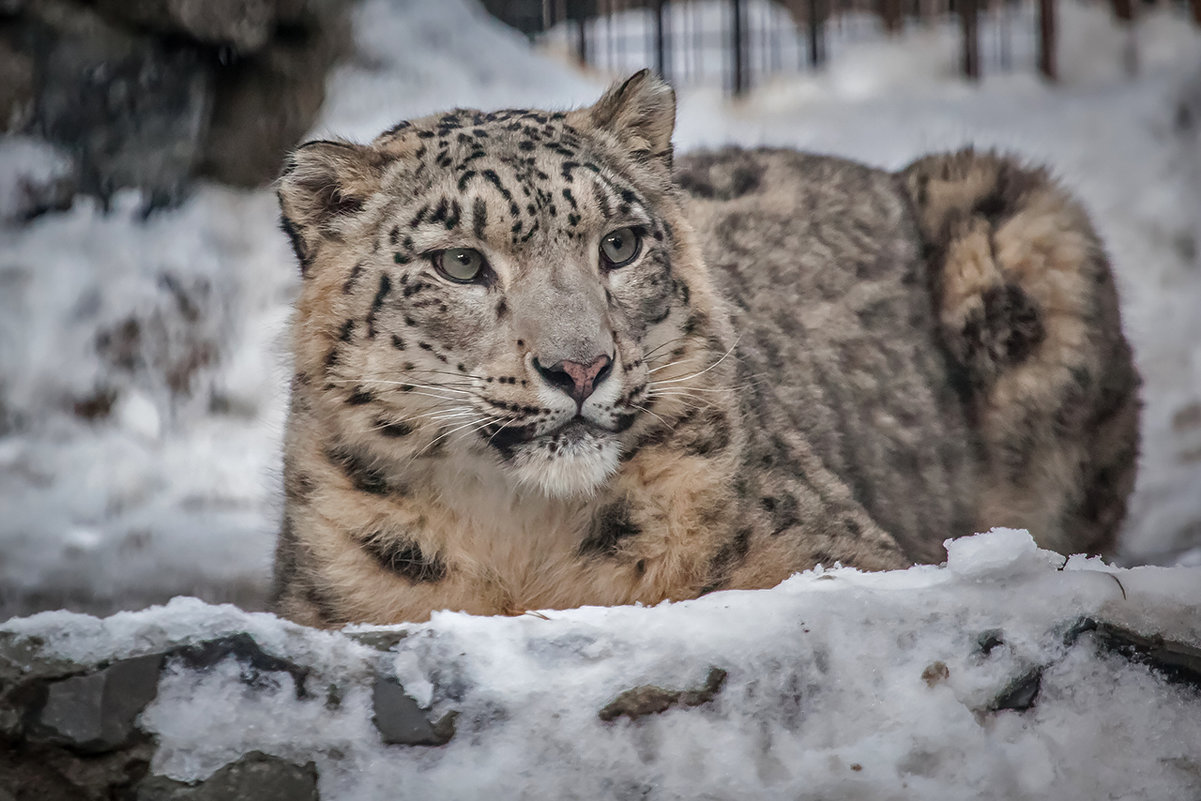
(323, 185)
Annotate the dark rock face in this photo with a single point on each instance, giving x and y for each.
(153, 93)
(71, 731)
(254, 777)
(131, 110)
(95, 713)
(401, 722)
(265, 102)
(255, 662)
(245, 25)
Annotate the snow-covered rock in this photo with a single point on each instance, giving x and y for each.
(143, 379)
(1005, 674)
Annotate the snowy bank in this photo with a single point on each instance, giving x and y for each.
(1004, 674)
(143, 382)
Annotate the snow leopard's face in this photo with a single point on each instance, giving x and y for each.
(500, 285)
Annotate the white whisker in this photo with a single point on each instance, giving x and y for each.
(701, 372)
(500, 428)
(485, 419)
(669, 364)
(657, 417)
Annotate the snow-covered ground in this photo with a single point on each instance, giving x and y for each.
(168, 332)
(998, 676)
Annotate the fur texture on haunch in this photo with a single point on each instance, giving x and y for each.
(803, 361)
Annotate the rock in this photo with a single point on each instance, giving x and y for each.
(95, 712)
(244, 25)
(23, 657)
(935, 673)
(1020, 693)
(254, 660)
(266, 102)
(153, 93)
(43, 772)
(16, 81)
(382, 640)
(1177, 662)
(651, 700)
(986, 641)
(130, 110)
(254, 777)
(401, 722)
(309, 12)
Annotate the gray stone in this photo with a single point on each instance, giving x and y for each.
(650, 699)
(130, 110)
(16, 81)
(244, 25)
(400, 720)
(265, 103)
(23, 657)
(256, 663)
(95, 712)
(382, 640)
(254, 777)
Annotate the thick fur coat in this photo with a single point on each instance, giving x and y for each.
(541, 364)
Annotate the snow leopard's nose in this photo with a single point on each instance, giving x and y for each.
(578, 380)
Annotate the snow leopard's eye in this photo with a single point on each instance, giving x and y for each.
(619, 248)
(462, 265)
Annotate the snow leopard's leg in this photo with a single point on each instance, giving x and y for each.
(1028, 311)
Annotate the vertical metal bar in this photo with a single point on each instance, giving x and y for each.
(1005, 36)
(660, 41)
(1046, 39)
(970, 20)
(817, 34)
(890, 14)
(605, 8)
(740, 77)
(669, 65)
(775, 59)
(581, 41)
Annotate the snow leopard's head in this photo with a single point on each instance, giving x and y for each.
(516, 286)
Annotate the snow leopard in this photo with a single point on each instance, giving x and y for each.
(541, 362)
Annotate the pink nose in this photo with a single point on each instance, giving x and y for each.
(578, 380)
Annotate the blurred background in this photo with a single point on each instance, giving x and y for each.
(145, 286)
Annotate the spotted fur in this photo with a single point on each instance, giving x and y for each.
(808, 361)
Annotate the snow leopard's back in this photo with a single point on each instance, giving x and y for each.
(946, 341)
(822, 265)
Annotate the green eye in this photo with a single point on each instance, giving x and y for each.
(460, 264)
(619, 248)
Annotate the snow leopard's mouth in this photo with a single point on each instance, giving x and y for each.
(578, 432)
(574, 458)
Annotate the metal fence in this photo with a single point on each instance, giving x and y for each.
(742, 42)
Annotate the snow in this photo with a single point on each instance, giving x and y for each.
(174, 490)
(894, 673)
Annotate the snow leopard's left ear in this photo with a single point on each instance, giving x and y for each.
(641, 113)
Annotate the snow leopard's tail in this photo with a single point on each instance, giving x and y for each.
(1028, 312)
